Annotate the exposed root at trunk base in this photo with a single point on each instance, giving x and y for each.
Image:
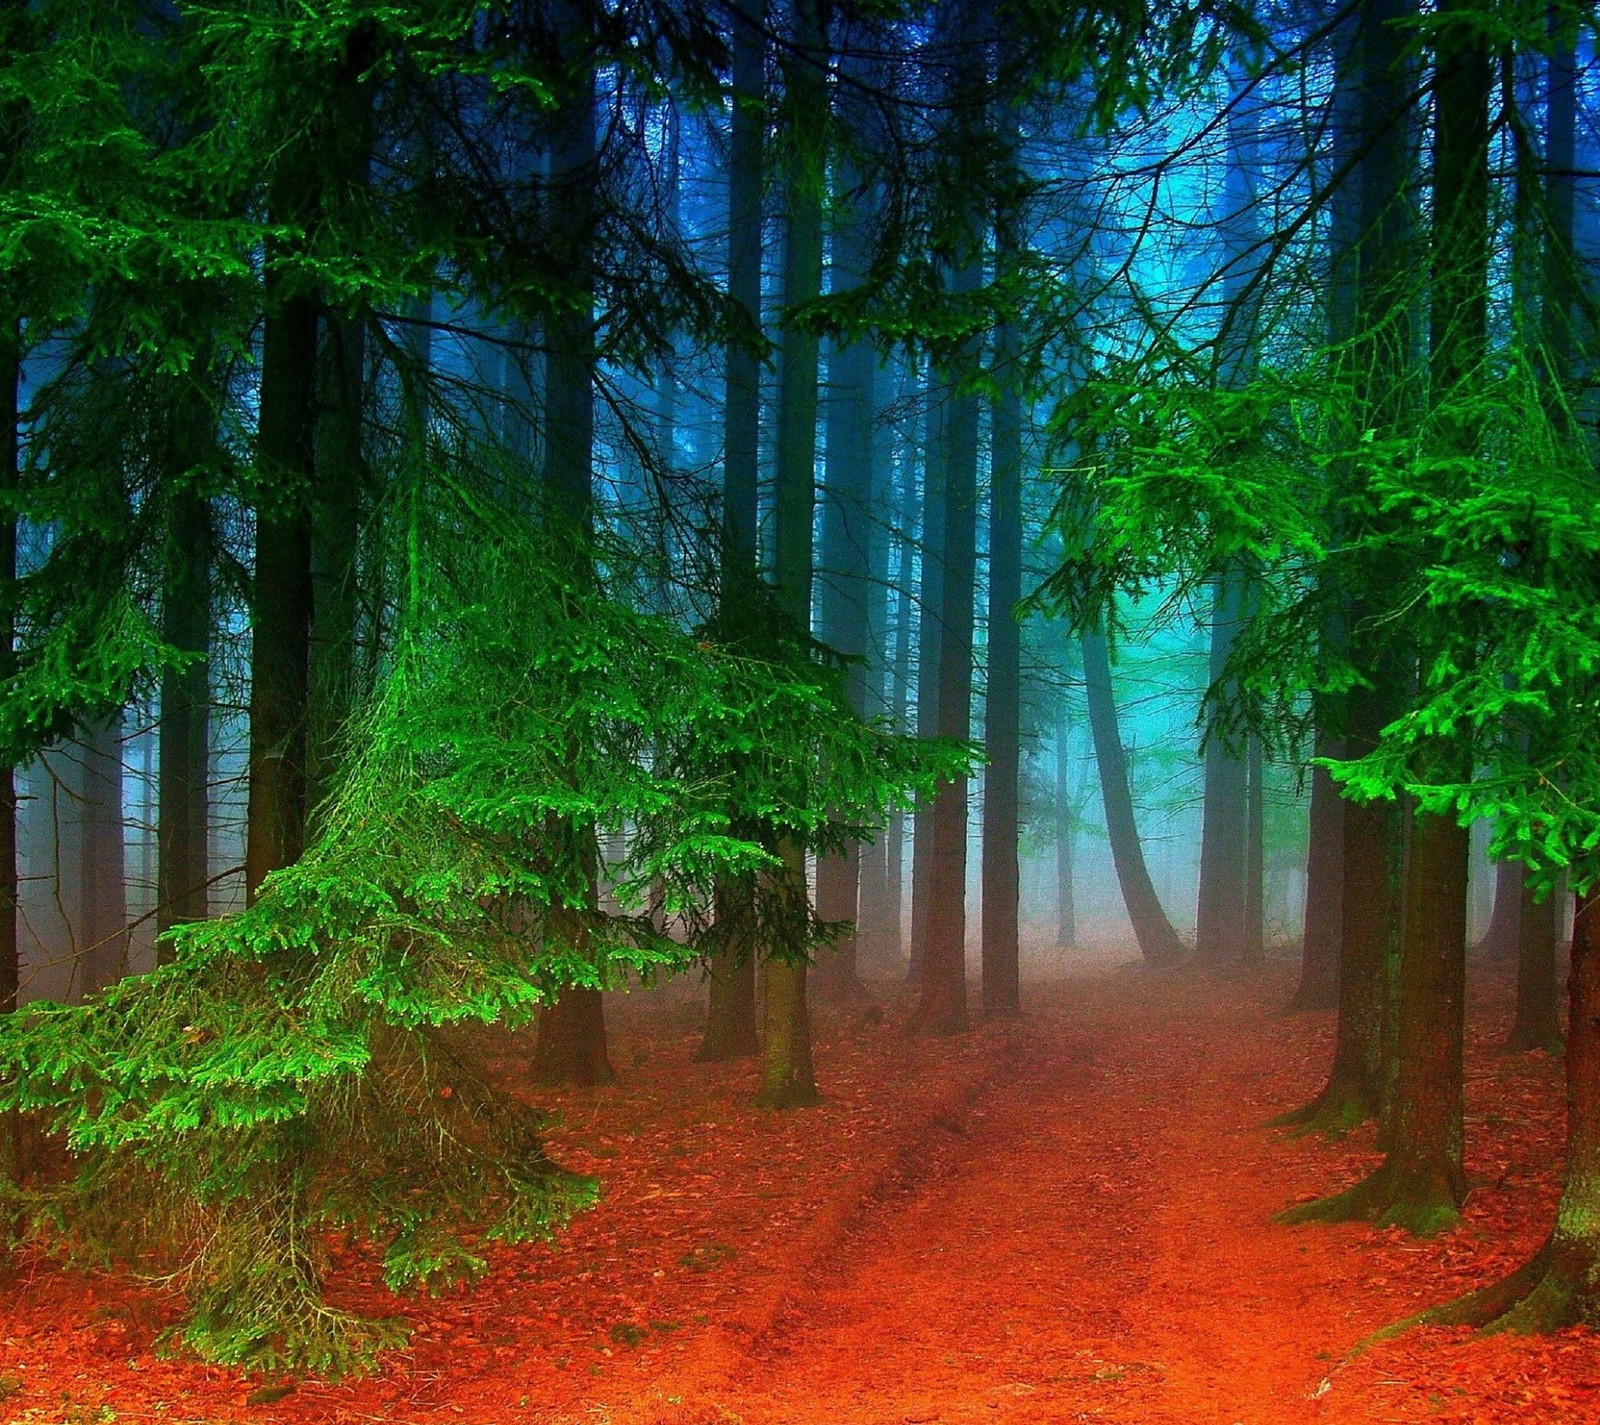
(1552, 1290)
(1313, 998)
(783, 1095)
(1420, 1201)
(1339, 1108)
(1522, 1040)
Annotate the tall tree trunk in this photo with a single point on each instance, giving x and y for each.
(1500, 940)
(1321, 929)
(930, 637)
(848, 537)
(731, 969)
(1381, 98)
(1066, 843)
(1421, 1182)
(102, 882)
(572, 1031)
(1322, 923)
(336, 529)
(1538, 1020)
(184, 755)
(11, 1162)
(1002, 714)
(879, 895)
(1220, 917)
(787, 1078)
(1254, 949)
(942, 988)
(281, 601)
(899, 683)
(1158, 941)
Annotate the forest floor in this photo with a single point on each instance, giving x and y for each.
(1062, 1219)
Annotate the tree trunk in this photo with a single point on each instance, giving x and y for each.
(571, 1047)
(731, 969)
(879, 898)
(102, 882)
(1066, 841)
(1421, 1182)
(1538, 1021)
(1560, 1285)
(1321, 932)
(1002, 708)
(848, 537)
(1254, 948)
(942, 988)
(572, 1031)
(1220, 918)
(336, 528)
(281, 607)
(1158, 941)
(1501, 939)
(184, 756)
(1371, 910)
(930, 636)
(11, 1158)
(787, 1079)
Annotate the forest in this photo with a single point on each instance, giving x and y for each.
(733, 711)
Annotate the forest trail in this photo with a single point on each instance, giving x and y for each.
(1063, 1219)
(1092, 1244)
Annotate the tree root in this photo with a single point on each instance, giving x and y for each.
(1391, 1196)
(1313, 996)
(1338, 1109)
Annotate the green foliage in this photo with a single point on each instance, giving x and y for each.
(1487, 560)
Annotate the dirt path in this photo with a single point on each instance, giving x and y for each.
(1093, 1242)
(1091, 1247)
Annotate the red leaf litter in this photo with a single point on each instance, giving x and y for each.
(1064, 1219)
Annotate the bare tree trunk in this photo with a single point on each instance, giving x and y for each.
(1538, 1021)
(1254, 947)
(848, 539)
(942, 998)
(1500, 940)
(1220, 918)
(281, 608)
(1158, 941)
(1321, 933)
(787, 1079)
(731, 969)
(930, 636)
(1066, 843)
(1002, 713)
(572, 1031)
(102, 881)
(11, 1157)
(184, 756)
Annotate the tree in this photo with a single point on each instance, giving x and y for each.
(572, 1030)
(1158, 941)
(787, 1077)
(848, 536)
(1002, 707)
(186, 612)
(731, 969)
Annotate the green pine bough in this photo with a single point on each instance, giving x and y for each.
(302, 1069)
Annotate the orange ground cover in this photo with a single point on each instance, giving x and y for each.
(1060, 1220)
